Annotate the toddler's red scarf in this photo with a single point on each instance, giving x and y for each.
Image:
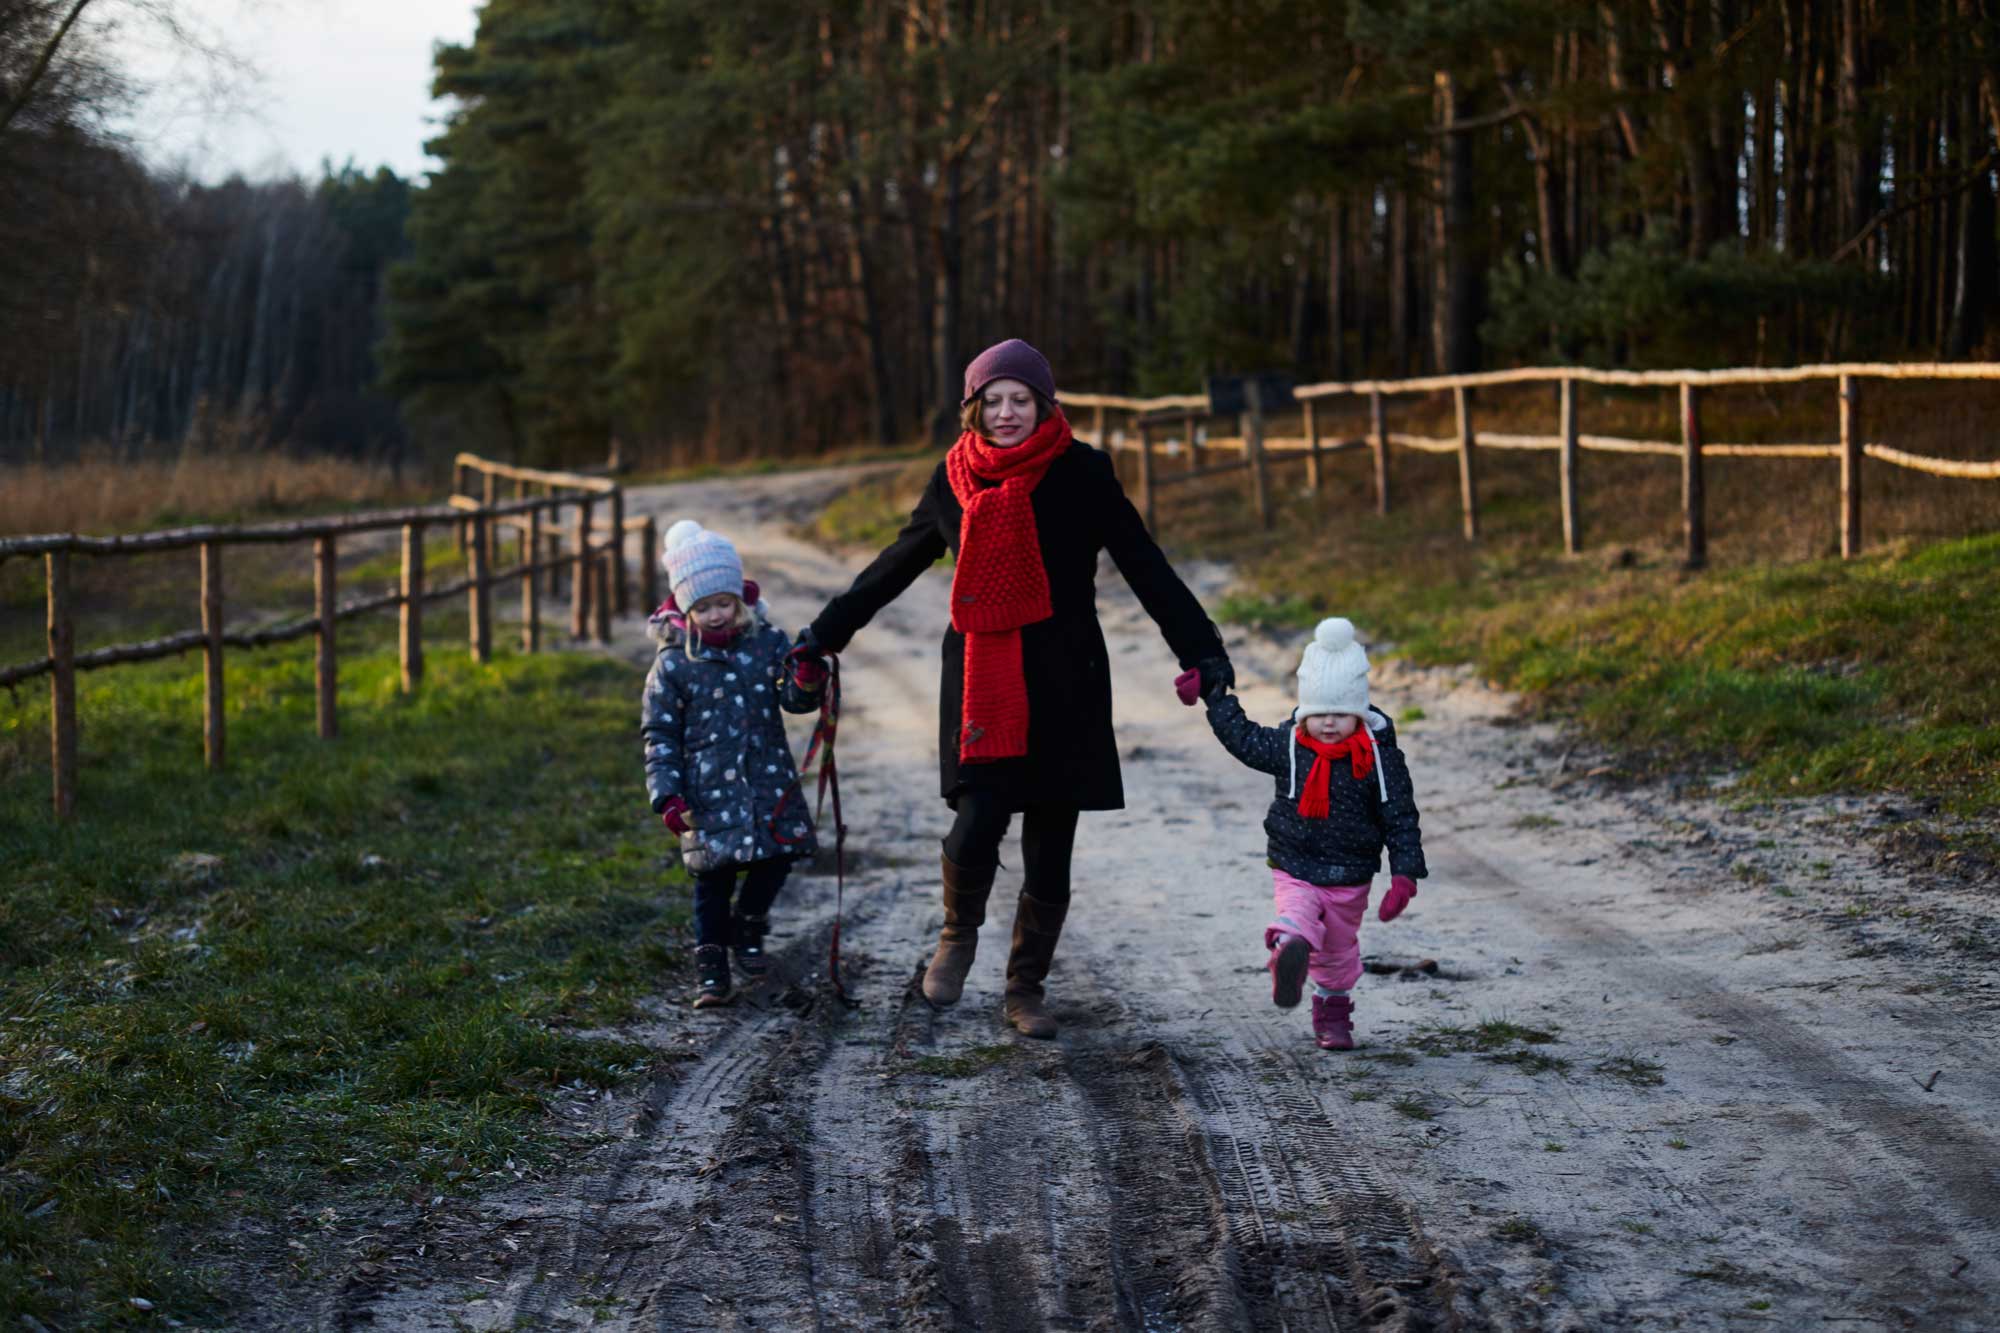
(1359, 748)
(999, 584)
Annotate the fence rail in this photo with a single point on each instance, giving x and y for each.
(591, 553)
(1147, 417)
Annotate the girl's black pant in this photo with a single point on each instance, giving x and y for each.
(1048, 836)
(713, 889)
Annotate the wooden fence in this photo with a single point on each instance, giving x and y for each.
(1150, 418)
(594, 561)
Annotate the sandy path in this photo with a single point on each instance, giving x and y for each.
(1730, 1127)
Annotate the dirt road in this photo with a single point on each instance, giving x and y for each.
(1657, 1071)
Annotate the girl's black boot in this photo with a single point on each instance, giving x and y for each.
(747, 933)
(711, 965)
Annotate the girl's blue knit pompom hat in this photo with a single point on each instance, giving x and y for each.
(699, 564)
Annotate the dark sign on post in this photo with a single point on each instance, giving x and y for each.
(1229, 395)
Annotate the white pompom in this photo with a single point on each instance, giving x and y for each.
(1334, 633)
(682, 532)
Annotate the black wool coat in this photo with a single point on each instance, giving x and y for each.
(1080, 509)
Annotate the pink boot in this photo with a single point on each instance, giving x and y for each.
(1288, 971)
(1333, 1022)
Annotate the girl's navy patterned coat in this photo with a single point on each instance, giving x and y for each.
(715, 738)
(1364, 815)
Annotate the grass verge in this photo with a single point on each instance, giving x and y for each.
(338, 972)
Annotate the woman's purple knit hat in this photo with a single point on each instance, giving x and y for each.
(1010, 360)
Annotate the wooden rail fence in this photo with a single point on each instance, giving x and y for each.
(590, 553)
(1148, 418)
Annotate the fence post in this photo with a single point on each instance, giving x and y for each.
(328, 668)
(412, 617)
(600, 595)
(521, 534)
(212, 738)
(1694, 517)
(1850, 468)
(62, 685)
(531, 602)
(1146, 473)
(621, 583)
(1312, 446)
(1194, 454)
(1378, 444)
(458, 488)
(553, 539)
(1253, 449)
(487, 496)
(1097, 424)
(649, 565)
(480, 603)
(579, 579)
(1468, 467)
(1572, 516)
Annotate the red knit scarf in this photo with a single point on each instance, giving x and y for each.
(1359, 748)
(999, 584)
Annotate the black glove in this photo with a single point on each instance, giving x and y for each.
(1218, 677)
(808, 645)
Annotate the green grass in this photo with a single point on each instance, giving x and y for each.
(965, 1063)
(1636, 1070)
(404, 942)
(1488, 1036)
(1531, 1062)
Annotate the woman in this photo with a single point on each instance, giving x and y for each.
(1024, 707)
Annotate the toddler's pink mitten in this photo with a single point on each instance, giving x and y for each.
(674, 815)
(1401, 889)
(1188, 685)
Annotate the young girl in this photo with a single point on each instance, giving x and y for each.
(718, 766)
(1343, 793)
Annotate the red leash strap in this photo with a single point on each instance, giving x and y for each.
(829, 779)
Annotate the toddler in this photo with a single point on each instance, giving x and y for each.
(719, 768)
(1343, 794)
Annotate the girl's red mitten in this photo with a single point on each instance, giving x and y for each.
(1401, 889)
(1188, 685)
(674, 815)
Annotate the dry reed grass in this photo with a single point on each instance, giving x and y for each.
(103, 494)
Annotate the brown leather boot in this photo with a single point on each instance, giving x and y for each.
(1037, 926)
(965, 893)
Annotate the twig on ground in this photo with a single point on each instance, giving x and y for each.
(1927, 1083)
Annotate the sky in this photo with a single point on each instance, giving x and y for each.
(333, 79)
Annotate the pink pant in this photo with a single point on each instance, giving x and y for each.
(1327, 917)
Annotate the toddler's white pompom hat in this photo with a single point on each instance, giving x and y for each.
(699, 563)
(1333, 674)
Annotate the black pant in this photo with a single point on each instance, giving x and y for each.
(712, 890)
(1048, 836)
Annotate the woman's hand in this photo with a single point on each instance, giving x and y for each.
(807, 661)
(1207, 679)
